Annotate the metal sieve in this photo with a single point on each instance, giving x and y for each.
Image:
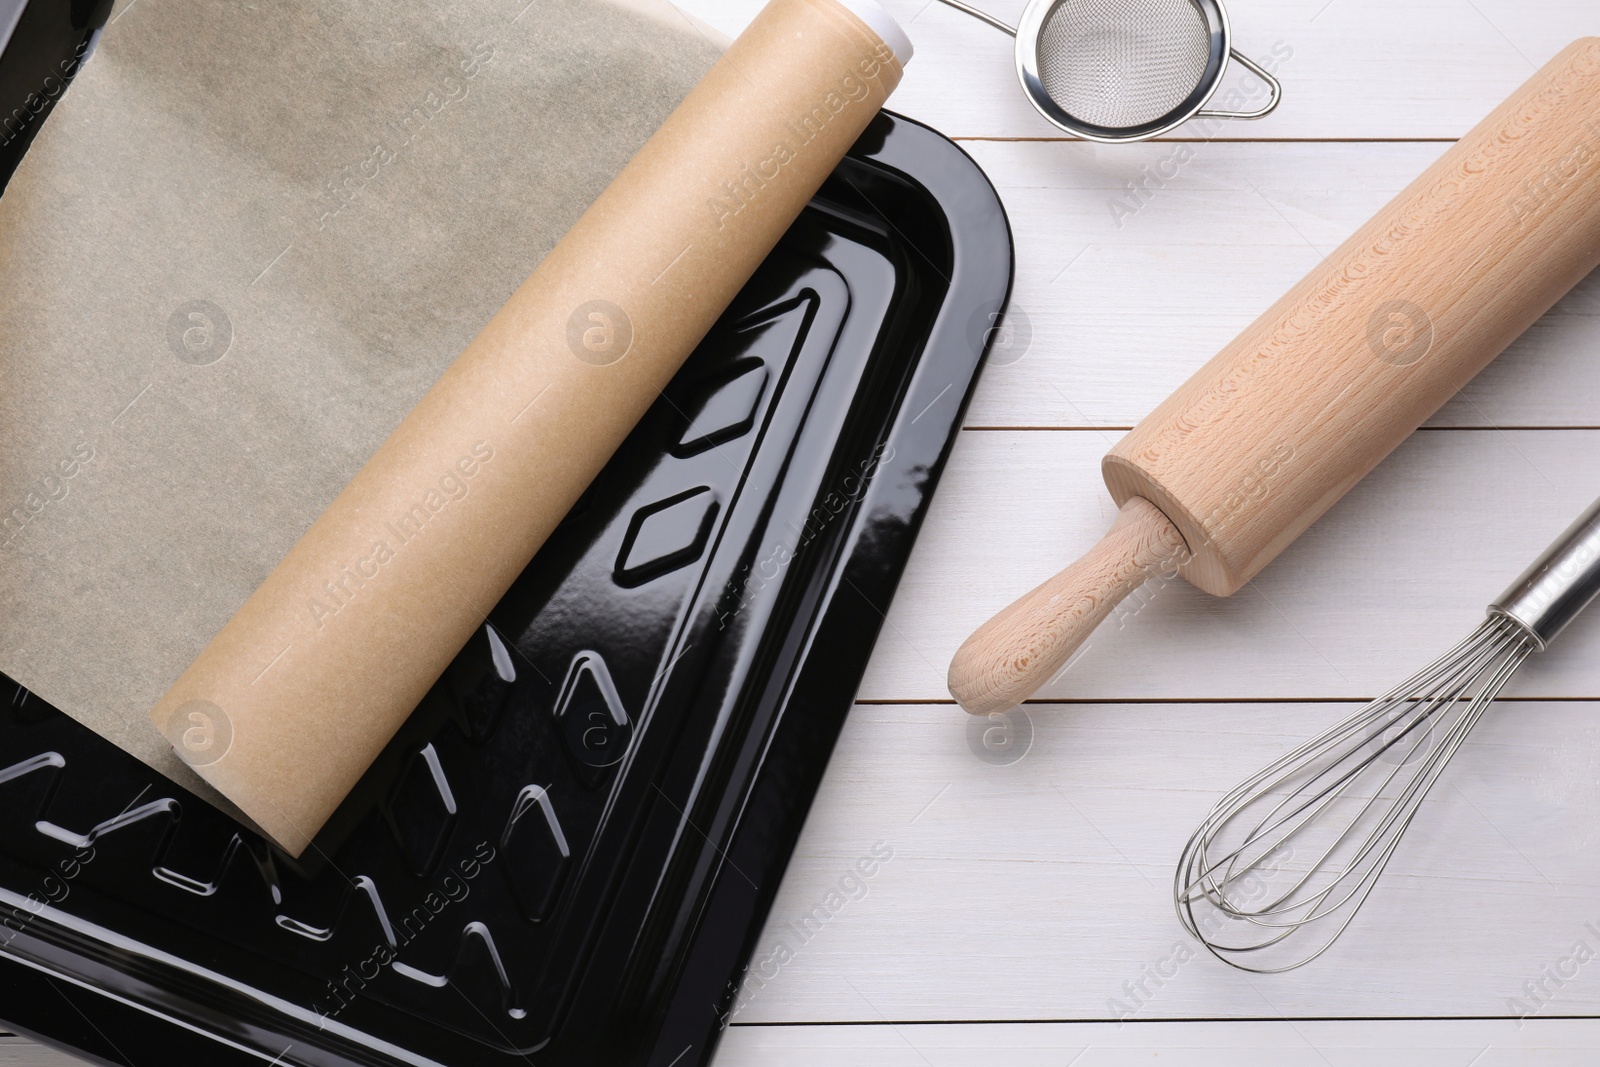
(1124, 70)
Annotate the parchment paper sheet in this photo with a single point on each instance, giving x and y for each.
(291, 702)
(244, 245)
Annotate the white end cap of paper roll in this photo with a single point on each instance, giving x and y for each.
(883, 24)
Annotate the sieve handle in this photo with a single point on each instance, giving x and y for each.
(983, 16)
(1254, 68)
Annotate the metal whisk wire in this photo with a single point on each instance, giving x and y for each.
(1331, 812)
(1423, 721)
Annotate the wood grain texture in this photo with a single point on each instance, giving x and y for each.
(1020, 891)
(1040, 889)
(1477, 1043)
(1312, 395)
(1272, 431)
(1354, 68)
(1393, 575)
(1120, 297)
(1025, 643)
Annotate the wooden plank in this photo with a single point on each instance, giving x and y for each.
(1389, 578)
(1124, 294)
(1350, 68)
(1036, 889)
(1454, 1043)
(1041, 889)
(1474, 1043)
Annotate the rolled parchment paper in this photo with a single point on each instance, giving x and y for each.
(295, 697)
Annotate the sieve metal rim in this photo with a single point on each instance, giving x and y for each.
(1031, 28)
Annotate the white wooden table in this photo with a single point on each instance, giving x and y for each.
(1024, 905)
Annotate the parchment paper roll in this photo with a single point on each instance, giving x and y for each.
(292, 700)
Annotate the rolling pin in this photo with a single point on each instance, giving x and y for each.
(1265, 437)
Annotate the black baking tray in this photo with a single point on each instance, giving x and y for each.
(42, 45)
(567, 854)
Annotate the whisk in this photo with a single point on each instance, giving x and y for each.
(1298, 847)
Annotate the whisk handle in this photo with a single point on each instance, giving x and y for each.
(1560, 584)
(1014, 653)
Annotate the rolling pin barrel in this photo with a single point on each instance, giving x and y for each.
(1276, 427)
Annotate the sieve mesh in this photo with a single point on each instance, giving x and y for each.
(1122, 63)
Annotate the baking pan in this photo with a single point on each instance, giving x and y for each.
(42, 44)
(570, 849)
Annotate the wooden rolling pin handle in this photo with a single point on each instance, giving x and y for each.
(1009, 657)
